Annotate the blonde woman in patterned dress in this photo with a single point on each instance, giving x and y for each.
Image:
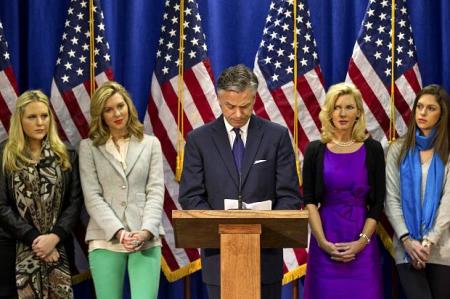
(40, 200)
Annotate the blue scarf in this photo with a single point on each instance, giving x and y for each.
(419, 217)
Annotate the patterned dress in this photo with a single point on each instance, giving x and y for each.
(38, 192)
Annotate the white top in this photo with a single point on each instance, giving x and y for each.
(119, 149)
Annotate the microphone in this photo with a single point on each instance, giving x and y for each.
(240, 192)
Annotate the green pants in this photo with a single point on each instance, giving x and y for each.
(108, 272)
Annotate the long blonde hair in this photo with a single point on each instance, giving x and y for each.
(15, 153)
(98, 130)
(334, 92)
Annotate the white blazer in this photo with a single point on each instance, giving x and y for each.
(116, 198)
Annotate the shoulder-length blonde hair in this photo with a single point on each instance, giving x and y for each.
(98, 130)
(15, 154)
(334, 92)
(441, 143)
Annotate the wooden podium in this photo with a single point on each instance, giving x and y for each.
(240, 234)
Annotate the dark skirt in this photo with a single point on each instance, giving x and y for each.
(8, 265)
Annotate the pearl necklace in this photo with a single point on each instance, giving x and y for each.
(343, 144)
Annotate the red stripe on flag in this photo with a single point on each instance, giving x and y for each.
(320, 75)
(301, 255)
(109, 73)
(309, 98)
(77, 116)
(369, 97)
(412, 79)
(401, 105)
(207, 64)
(288, 114)
(11, 78)
(198, 96)
(169, 257)
(259, 108)
(171, 100)
(87, 86)
(160, 132)
(5, 114)
(285, 269)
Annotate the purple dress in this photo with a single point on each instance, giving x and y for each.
(343, 213)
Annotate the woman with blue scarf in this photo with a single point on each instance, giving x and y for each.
(418, 197)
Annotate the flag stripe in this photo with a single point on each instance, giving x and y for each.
(5, 113)
(199, 98)
(171, 99)
(205, 77)
(288, 115)
(7, 87)
(369, 97)
(160, 132)
(77, 115)
(259, 108)
(63, 115)
(309, 99)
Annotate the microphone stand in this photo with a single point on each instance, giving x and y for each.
(240, 192)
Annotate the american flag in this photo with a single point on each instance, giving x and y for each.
(200, 106)
(370, 67)
(8, 87)
(274, 67)
(370, 70)
(70, 94)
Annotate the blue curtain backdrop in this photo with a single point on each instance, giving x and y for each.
(233, 28)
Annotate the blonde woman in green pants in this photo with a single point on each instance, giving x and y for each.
(122, 178)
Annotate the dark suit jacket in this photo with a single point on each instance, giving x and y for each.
(210, 176)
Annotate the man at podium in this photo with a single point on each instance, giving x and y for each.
(239, 156)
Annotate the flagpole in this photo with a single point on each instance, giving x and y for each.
(392, 96)
(91, 48)
(295, 145)
(295, 293)
(180, 108)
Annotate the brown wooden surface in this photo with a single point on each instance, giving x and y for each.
(239, 229)
(240, 270)
(200, 228)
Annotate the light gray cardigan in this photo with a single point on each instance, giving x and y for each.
(439, 234)
(116, 198)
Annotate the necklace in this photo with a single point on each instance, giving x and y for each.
(346, 143)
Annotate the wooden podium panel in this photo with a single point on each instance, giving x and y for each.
(240, 235)
(280, 228)
(240, 251)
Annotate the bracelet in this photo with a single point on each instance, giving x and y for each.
(363, 235)
(404, 237)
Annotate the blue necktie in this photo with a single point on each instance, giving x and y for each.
(238, 149)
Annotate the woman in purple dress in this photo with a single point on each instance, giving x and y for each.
(344, 189)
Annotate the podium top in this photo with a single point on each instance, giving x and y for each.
(280, 228)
